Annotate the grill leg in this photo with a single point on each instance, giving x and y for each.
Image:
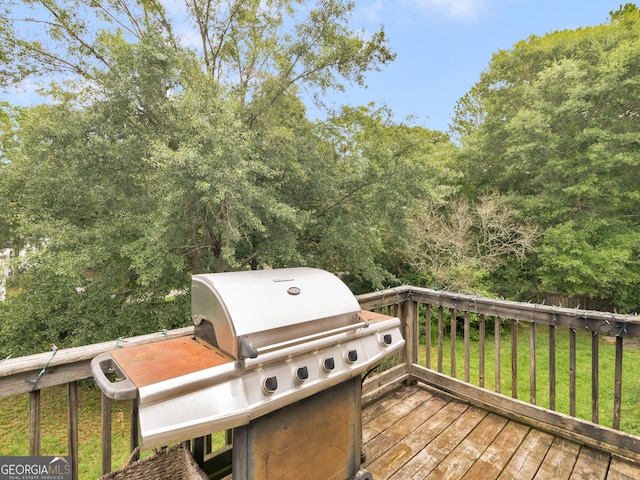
(198, 450)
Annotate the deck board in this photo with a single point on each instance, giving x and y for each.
(591, 465)
(402, 445)
(622, 469)
(559, 461)
(418, 432)
(456, 428)
(494, 459)
(462, 458)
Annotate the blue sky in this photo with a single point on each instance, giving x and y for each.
(442, 46)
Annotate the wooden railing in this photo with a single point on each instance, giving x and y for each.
(34, 373)
(454, 342)
(453, 335)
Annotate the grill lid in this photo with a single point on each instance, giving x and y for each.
(244, 312)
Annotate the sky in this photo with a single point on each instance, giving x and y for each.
(442, 46)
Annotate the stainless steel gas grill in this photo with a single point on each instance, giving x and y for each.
(277, 356)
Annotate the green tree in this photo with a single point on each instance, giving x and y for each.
(78, 198)
(147, 167)
(559, 134)
(242, 42)
(384, 172)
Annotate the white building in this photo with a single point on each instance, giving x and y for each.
(5, 271)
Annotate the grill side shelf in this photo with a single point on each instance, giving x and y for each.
(235, 393)
(142, 365)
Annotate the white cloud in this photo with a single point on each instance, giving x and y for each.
(457, 9)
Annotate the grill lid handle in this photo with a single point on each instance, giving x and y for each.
(247, 349)
(316, 336)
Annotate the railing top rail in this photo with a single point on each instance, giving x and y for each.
(589, 320)
(17, 375)
(383, 298)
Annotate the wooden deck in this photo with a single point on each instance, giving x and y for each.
(419, 432)
(422, 433)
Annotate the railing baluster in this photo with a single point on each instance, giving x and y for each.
(134, 426)
(440, 338)
(467, 337)
(514, 358)
(481, 334)
(572, 372)
(552, 367)
(106, 434)
(34, 422)
(594, 376)
(72, 411)
(617, 388)
(428, 335)
(452, 335)
(532, 363)
(496, 335)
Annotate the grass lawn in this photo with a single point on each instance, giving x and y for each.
(630, 408)
(14, 411)
(14, 427)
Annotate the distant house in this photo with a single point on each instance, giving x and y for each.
(5, 271)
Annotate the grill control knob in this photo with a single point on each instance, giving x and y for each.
(387, 340)
(352, 356)
(270, 384)
(328, 364)
(302, 373)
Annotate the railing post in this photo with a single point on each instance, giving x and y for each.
(453, 313)
(199, 449)
(552, 366)
(514, 358)
(532, 364)
(134, 426)
(572, 371)
(410, 325)
(72, 410)
(496, 337)
(594, 376)
(617, 391)
(428, 335)
(481, 352)
(106, 434)
(34, 423)
(467, 341)
(440, 338)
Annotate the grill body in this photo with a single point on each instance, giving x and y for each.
(277, 356)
